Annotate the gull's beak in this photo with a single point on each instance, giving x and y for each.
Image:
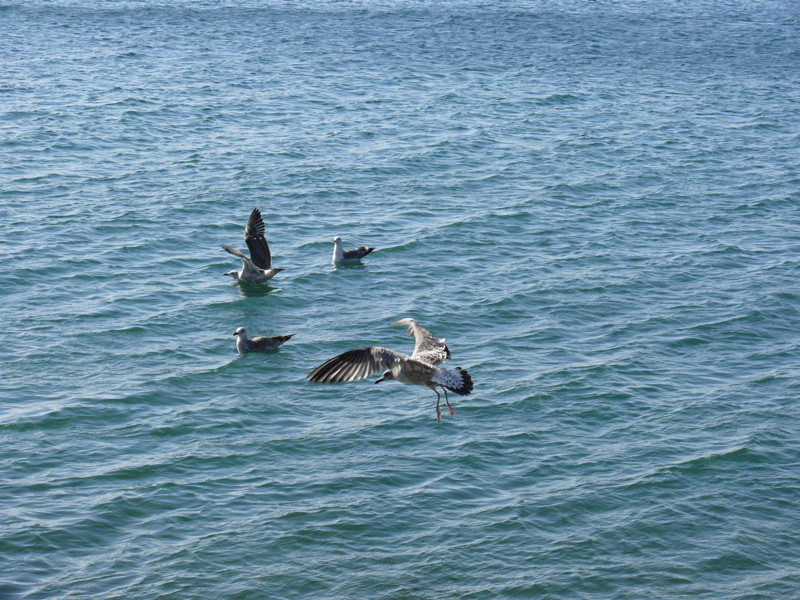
(234, 333)
(379, 379)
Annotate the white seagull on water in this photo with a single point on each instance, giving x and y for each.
(259, 344)
(257, 268)
(342, 255)
(419, 369)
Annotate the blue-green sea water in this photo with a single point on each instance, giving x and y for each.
(597, 204)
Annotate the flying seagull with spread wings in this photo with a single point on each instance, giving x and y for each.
(421, 368)
(342, 255)
(258, 344)
(258, 267)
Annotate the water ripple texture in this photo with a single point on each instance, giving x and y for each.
(596, 203)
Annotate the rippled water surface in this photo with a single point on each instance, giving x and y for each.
(596, 203)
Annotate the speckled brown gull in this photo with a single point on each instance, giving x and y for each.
(418, 369)
(258, 344)
(342, 255)
(258, 267)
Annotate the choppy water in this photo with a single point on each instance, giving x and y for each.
(596, 203)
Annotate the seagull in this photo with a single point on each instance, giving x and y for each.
(259, 344)
(341, 255)
(258, 267)
(419, 369)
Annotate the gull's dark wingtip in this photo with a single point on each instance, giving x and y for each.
(466, 386)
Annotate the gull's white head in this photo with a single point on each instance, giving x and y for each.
(337, 240)
(242, 332)
(387, 376)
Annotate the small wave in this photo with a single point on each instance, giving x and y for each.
(413, 243)
(53, 418)
(689, 342)
(559, 99)
(738, 455)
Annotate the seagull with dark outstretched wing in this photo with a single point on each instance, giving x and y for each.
(418, 369)
(342, 255)
(258, 267)
(258, 344)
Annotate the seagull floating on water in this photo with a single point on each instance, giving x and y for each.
(257, 268)
(342, 255)
(418, 369)
(259, 344)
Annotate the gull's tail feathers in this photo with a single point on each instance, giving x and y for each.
(456, 380)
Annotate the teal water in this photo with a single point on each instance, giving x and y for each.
(596, 203)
